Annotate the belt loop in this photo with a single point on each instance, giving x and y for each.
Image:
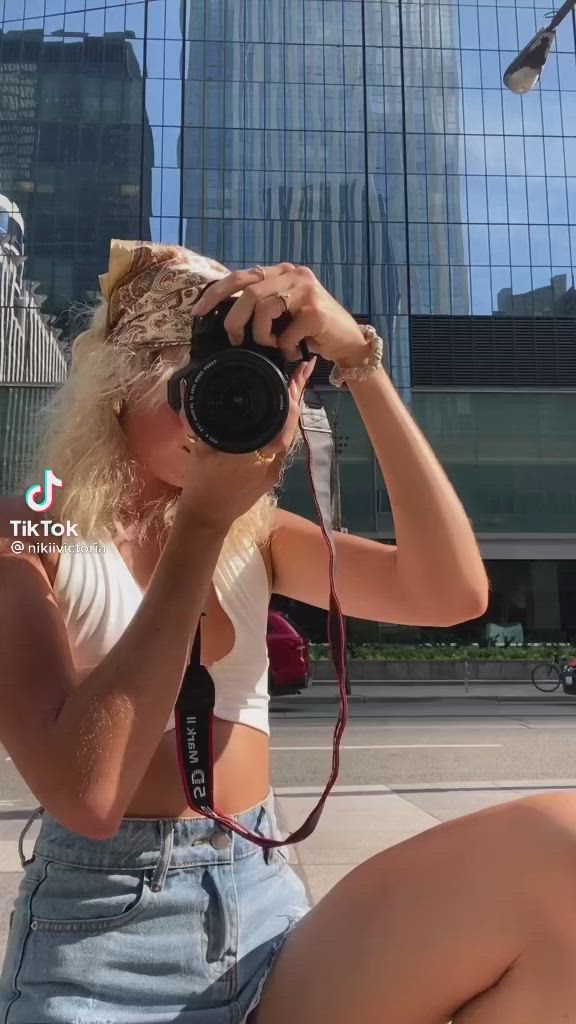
(36, 813)
(166, 847)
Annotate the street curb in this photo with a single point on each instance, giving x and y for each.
(364, 699)
(425, 682)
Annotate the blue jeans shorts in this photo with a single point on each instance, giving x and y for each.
(169, 920)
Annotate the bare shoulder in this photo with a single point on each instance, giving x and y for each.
(13, 513)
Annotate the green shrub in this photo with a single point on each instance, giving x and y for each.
(445, 652)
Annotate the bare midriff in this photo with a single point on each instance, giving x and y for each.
(241, 775)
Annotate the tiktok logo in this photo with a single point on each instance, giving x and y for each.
(34, 498)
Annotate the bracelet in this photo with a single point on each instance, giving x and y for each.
(340, 375)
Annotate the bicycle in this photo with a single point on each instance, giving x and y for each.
(548, 676)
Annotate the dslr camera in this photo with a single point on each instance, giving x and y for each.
(235, 397)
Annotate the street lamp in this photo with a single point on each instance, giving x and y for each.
(526, 69)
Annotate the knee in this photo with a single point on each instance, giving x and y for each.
(547, 817)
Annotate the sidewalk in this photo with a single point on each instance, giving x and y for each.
(322, 692)
(357, 822)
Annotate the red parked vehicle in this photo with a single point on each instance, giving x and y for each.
(289, 670)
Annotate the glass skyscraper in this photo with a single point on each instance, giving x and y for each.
(374, 142)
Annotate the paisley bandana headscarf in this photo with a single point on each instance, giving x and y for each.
(150, 290)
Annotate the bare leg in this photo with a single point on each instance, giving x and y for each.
(473, 921)
(540, 986)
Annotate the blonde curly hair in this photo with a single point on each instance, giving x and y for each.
(82, 441)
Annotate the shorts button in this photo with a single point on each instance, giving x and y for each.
(220, 841)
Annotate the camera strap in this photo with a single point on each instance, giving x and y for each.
(194, 708)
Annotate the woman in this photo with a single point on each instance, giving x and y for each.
(133, 908)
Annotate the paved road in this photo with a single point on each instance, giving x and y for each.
(395, 750)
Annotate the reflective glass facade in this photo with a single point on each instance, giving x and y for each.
(371, 140)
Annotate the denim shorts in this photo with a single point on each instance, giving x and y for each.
(169, 920)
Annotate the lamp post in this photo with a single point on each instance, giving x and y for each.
(526, 69)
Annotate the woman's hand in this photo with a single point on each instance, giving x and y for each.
(220, 487)
(268, 292)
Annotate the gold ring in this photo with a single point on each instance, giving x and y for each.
(191, 439)
(265, 459)
(285, 298)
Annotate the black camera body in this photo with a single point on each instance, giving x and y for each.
(235, 397)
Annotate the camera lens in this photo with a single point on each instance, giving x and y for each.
(238, 401)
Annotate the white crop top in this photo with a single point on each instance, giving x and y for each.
(98, 596)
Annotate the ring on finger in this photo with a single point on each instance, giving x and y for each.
(285, 298)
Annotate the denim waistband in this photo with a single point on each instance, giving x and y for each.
(147, 843)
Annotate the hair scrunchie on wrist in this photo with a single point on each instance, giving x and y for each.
(340, 375)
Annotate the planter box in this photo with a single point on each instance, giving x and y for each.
(427, 671)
